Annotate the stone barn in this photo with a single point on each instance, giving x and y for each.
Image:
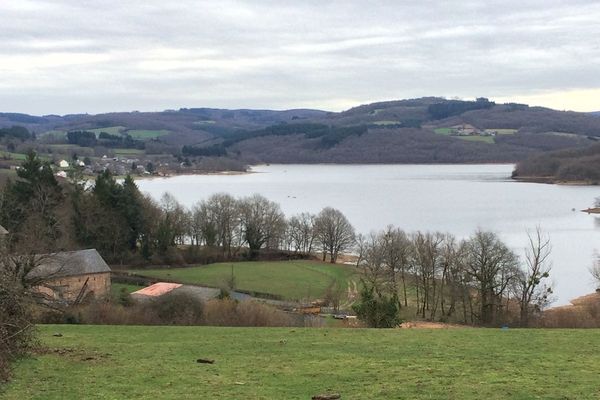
(72, 276)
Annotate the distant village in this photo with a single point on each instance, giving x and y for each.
(116, 165)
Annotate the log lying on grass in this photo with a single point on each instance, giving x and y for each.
(205, 361)
(330, 396)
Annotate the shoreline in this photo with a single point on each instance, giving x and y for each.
(550, 180)
(191, 173)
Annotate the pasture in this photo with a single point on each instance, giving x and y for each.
(147, 134)
(111, 130)
(137, 362)
(290, 280)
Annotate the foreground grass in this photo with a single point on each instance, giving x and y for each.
(118, 362)
(294, 280)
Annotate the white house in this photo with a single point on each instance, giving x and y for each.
(63, 164)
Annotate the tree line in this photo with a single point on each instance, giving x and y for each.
(43, 215)
(89, 139)
(478, 280)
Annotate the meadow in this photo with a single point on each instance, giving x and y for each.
(290, 280)
(135, 362)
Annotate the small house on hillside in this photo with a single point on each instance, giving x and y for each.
(72, 276)
(63, 164)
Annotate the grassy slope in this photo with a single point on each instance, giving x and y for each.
(112, 130)
(147, 134)
(289, 279)
(285, 363)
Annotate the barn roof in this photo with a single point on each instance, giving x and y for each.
(3, 230)
(69, 263)
(158, 289)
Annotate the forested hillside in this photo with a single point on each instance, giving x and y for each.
(573, 165)
(425, 130)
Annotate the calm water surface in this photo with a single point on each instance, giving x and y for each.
(448, 198)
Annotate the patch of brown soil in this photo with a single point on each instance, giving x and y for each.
(429, 325)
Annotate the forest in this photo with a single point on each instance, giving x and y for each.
(579, 165)
(399, 131)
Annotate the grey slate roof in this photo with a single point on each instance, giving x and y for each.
(3, 231)
(69, 263)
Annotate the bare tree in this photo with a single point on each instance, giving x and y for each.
(595, 271)
(397, 249)
(175, 219)
(204, 224)
(335, 233)
(492, 265)
(372, 262)
(426, 263)
(224, 211)
(262, 221)
(531, 291)
(301, 231)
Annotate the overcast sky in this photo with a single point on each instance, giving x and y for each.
(98, 56)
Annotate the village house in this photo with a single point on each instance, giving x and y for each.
(63, 164)
(72, 276)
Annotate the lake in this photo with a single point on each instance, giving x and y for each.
(448, 198)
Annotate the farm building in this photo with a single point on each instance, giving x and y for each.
(63, 164)
(72, 276)
(162, 288)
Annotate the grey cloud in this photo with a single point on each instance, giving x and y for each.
(96, 56)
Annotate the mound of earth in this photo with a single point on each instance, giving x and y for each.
(429, 325)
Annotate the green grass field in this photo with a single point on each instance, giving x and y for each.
(112, 130)
(294, 280)
(135, 362)
(503, 131)
(13, 156)
(147, 134)
(386, 122)
(55, 134)
(443, 131)
(115, 288)
(125, 152)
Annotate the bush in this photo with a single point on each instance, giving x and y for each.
(176, 309)
(376, 310)
(16, 331)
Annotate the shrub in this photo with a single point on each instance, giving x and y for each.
(16, 331)
(377, 310)
(177, 309)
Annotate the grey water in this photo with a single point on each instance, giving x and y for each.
(456, 199)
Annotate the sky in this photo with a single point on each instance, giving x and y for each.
(85, 56)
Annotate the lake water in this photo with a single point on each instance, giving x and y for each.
(448, 198)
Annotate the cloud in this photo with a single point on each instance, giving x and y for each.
(96, 56)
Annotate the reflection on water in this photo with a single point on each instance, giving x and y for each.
(447, 198)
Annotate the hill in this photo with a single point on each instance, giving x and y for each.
(568, 166)
(141, 362)
(425, 130)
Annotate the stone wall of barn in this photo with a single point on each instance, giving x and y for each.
(68, 288)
